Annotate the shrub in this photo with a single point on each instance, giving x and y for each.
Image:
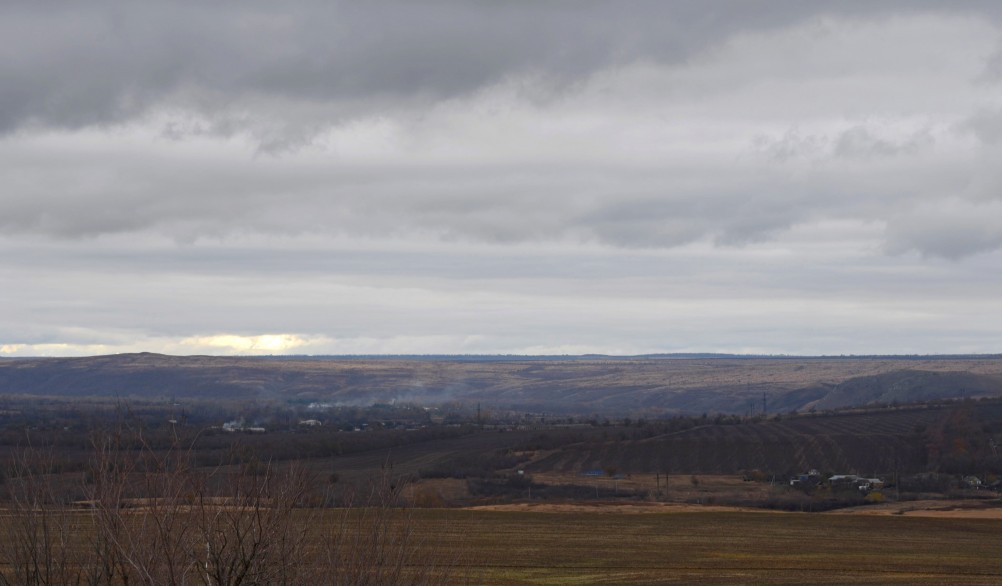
(874, 497)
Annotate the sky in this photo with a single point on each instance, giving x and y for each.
(475, 177)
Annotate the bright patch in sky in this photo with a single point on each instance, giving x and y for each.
(264, 344)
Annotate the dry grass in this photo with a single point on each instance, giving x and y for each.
(712, 547)
(684, 546)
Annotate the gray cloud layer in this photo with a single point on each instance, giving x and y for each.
(461, 172)
(72, 65)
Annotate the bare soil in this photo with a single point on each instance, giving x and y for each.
(940, 509)
(599, 507)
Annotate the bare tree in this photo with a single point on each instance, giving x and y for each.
(138, 497)
(151, 517)
(252, 534)
(38, 533)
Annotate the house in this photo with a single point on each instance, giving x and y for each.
(973, 482)
(810, 478)
(845, 481)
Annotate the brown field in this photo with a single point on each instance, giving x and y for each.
(572, 547)
(677, 488)
(674, 545)
(938, 508)
(865, 441)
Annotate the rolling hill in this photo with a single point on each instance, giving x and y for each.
(609, 386)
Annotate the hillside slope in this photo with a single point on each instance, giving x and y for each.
(870, 442)
(585, 385)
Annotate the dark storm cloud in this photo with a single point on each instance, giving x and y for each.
(73, 64)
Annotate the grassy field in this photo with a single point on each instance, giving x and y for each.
(602, 545)
(487, 547)
(463, 546)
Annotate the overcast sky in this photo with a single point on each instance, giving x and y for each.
(500, 177)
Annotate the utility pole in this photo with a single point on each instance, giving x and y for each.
(897, 479)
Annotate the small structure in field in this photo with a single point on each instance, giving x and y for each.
(864, 485)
